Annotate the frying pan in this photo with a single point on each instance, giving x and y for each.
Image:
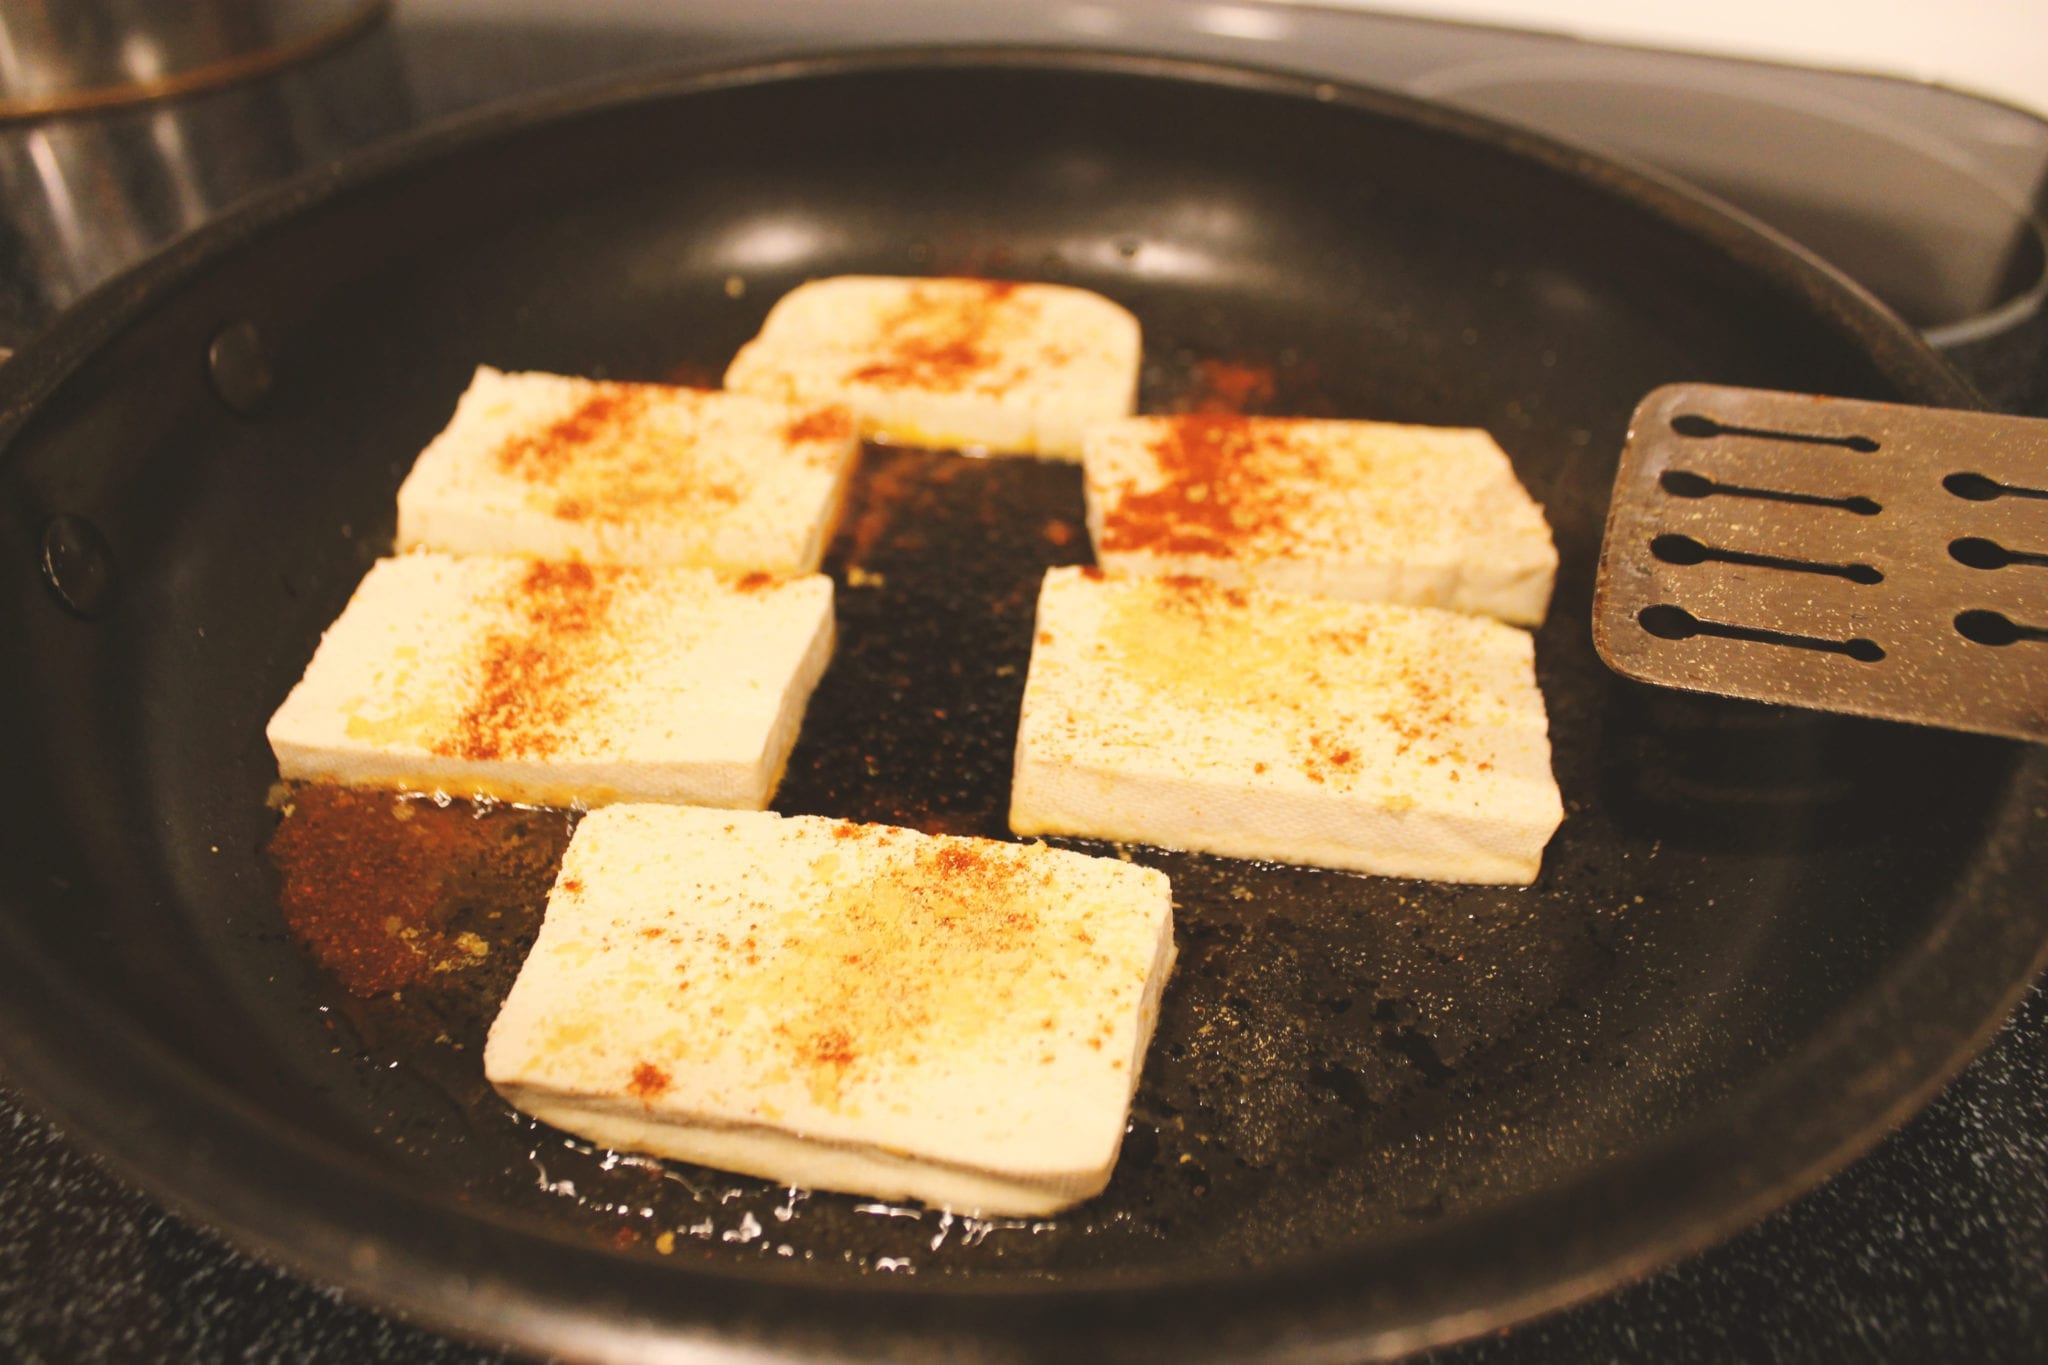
(1378, 1114)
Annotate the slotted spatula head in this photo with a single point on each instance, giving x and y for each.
(1859, 557)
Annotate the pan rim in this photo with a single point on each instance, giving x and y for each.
(1286, 1297)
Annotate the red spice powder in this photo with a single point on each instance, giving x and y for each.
(1227, 481)
(649, 1082)
(938, 340)
(1430, 717)
(832, 1047)
(605, 415)
(957, 902)
(1330, 758)
(955, 860)
(1191, 595)
(984, 905)
(926, 362)
(610, 460)
(531, 688)
(1226, 386)
(753, 582)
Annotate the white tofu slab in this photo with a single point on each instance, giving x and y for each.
(1371, 511)
(1406, 741)
(841, 1006)
(564, 468)
(1016, 369)
(559, 683)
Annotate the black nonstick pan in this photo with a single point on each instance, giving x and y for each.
(1377, 1115)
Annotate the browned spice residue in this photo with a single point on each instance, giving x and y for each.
(1226, 481)
(753, 582)
(534, 675)
(649, 1082)
(938, 340)
(359, 887)
(888, 506)
(375, 885)
(1227, 386)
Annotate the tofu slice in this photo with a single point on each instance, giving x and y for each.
(562, 468)
(1406, 741)
(841, 1006)
(1371, 511)
(559, 683)
(1011, 368)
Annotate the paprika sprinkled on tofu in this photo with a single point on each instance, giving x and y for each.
(649, 1082)
(1179, 712)
(538, 674)
(1009, 368)
(604, 423)
(865, 1008)
(820, 424)
(560, 683)
(940, 337)
(559, 467)
(1370, 511)
(1225, 483)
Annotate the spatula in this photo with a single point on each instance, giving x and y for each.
(1866, 558)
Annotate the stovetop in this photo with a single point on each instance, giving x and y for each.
(1933, 1247)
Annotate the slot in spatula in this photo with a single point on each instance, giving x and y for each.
(1866, 558)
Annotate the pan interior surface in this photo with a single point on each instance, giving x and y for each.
(1357, 1083)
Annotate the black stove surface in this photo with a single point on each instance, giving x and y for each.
(1933, 1247)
